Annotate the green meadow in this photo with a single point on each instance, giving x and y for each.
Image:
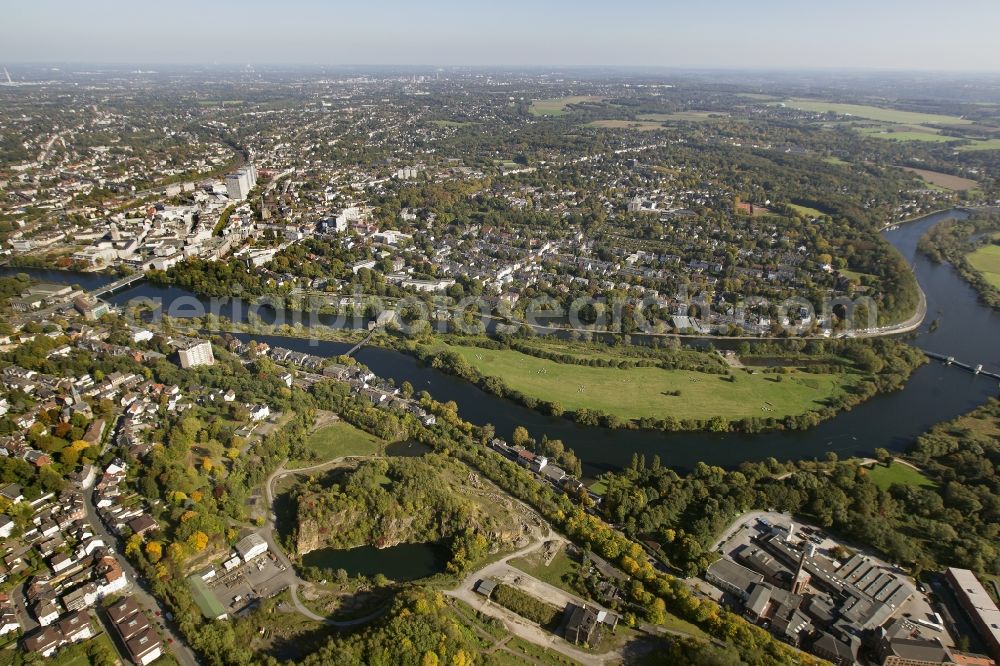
(896, 473)
(633, 393)
(986, 260)
(875, 113)
(557, 106)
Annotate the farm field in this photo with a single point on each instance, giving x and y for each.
(645, 392)
(695, 116)
(641, 125)
(556, 106)
(908, 135)
(884, 477)
(944, 180)
(336, 440)
(986, 260)
(875, 113)
(989, 144)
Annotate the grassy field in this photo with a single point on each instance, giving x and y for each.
(883, 476)
(694, 116)
(641, 125)
(596, 350)
(339, 439)
(759, 96)
(910, 135)
(855, 274)
(989, 144)
(639, 392)
(806, 210)
(556, 106)
(561, 565)
(986, 260)
(450, 123)
(875, 113)
(944, 180)
(984, 427)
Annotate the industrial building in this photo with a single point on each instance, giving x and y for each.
(978, 605)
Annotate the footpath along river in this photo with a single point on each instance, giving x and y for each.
(967, 330)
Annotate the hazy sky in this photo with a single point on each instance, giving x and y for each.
(898, 34)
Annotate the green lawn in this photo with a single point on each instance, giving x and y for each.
(855, 274)
(77, 655)
(556, 106)
(336, 440)
(598, 487)
(806, 210)
(561, 565)
(637, 392)
(875, 113)
(986, 260)
(883, 476)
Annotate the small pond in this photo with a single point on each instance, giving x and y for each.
(403, 562)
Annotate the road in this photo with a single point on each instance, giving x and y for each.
(176, 645)
(516, 624)
(28, 623)
(773, 517)
(267, 533)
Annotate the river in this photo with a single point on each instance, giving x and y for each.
(967, 330)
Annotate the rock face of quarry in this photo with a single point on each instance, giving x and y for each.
(384, 503)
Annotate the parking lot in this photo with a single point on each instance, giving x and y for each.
(260, 578)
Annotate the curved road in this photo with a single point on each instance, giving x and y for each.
(267, 533)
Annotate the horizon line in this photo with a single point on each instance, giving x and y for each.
(488, 66)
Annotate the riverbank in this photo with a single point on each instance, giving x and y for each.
(968, 246)
(893, 420)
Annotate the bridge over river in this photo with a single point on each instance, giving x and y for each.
(950, 360)
(121, 283)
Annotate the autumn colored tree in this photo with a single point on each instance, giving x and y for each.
(198, 541)
(154, 551)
